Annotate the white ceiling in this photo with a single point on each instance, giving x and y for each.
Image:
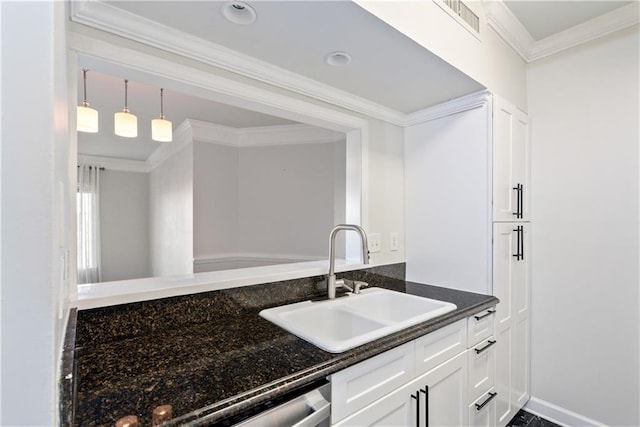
(545, 18)
(387, 68)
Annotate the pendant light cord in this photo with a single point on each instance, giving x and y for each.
(162, 103)
(84, 78)
(126, 88)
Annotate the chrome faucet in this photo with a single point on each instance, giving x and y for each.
(332, 283)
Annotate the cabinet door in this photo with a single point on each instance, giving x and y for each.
(511, 146)
(437, 398)
(448, 394)
(402, 408)
(511, 286)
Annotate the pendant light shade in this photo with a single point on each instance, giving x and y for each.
(125, 123)
(161, 129)
(87, 120)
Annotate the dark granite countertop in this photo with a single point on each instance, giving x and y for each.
(211, 356)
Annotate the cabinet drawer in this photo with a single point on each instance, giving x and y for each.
(482, 412)
(481, 368)
(480, 326)
(359, 385)
(440, 346)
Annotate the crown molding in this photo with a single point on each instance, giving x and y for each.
(286, 135)
(182, 137)
(454, 106)
(115, 164)
(595, 28)
(507, 26)
(261, 135)
(105, 17)
(195, 130)
(503, 21)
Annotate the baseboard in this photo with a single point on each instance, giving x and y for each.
(558, 415)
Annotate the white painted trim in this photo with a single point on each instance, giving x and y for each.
(213, 133)
(195, 130)
(454, 106)
(111, 163)
(217, 88)
(182, 137)
(504, 22)
(254, 256)
(261, 135)
(559, 415)
(286, 135)
(600, 26)
(116, 21)
(104, 294)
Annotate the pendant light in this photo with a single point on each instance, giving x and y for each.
(125, 123)
(161, 129)
(87, 120)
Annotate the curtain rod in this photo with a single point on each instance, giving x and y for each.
(100, 168)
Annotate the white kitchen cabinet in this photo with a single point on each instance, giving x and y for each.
(511, 150)
(511, 279)
(436, 398)
(482, 412)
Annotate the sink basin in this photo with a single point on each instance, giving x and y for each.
(340, 324)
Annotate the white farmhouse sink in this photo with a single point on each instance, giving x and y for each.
(340, 324)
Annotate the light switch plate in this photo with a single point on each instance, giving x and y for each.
(374, 242)
(393, 242)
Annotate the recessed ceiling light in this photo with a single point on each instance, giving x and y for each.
(338, 59)
(239, 12)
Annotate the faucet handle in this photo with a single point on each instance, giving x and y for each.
(357, 286)
(342, 283)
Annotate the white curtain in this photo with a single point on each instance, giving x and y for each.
(88, 213)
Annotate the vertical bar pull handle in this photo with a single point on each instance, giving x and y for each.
(425, 390)
(517, 254)
(417, 398)
(517, 212)
(521, 242)
(519, 200)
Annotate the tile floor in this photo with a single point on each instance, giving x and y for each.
(525, 419)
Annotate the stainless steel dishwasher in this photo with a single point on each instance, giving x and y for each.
(310, 409)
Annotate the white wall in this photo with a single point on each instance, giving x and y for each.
(215, 199)
(286, 198)
(266, 204)
(124, 225)
(487, 59)
(584, 109)
(171, 205)
(37, 196)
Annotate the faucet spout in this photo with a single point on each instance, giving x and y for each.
(332, 284)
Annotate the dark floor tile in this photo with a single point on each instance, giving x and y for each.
(526, 419)
(521, 419)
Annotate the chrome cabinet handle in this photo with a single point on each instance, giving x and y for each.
(479, 406)
(488, 313)
(486, 347)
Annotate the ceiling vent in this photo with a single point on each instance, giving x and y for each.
(462, 10)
